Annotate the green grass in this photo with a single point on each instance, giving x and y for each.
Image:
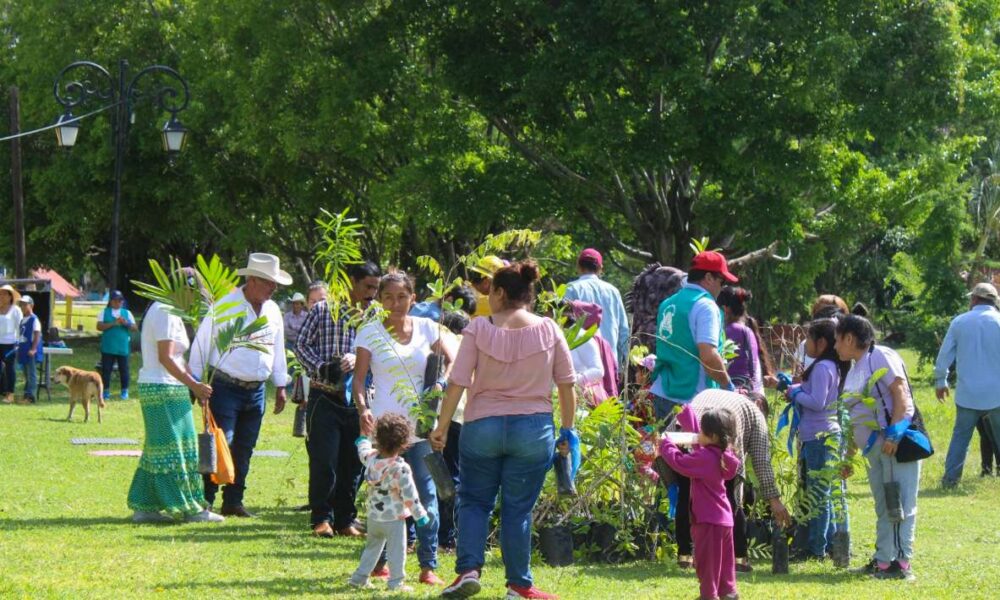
(65, 530)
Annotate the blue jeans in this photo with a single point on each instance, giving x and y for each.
(239, 412)
(965, 423)
(663, 407)
(816, 455)
(30, 370)
(107, 365)
(427, 535)
(509, 455)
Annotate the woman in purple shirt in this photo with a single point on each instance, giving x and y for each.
(752, 365)
(819, 431)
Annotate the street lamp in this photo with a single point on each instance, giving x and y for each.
(92, 82)
(67, 130)
(174, 136)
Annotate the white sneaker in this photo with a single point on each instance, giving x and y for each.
(205, 516)
(142, 516)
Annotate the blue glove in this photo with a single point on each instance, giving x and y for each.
(423, 520)
(570, 436)
(731, 387)
(783, 381)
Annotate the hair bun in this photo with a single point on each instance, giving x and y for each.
(529, 271)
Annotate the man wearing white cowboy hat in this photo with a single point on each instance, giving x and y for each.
(237, 401)
(295, 318)
(972, 344)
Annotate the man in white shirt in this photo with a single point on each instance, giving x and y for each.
(238, 383)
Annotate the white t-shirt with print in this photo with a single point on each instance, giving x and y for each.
(398, 369)
(157, 326)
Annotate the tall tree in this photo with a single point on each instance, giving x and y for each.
(660, 121)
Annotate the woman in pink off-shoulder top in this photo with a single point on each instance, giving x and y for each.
(508, 363)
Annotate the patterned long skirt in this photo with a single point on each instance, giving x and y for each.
(167, 478)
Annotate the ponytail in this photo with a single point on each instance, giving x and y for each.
(767, 367)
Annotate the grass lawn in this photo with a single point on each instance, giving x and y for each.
(65, 530)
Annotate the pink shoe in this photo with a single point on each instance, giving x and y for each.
(514, 592)
(465, 585)
(430, 578)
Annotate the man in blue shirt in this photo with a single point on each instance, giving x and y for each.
(973, 345)
(589, 287)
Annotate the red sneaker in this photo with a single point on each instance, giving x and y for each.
(465, 585)
(430, 578)
(380, 572)
(514, 592)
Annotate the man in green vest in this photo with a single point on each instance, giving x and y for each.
(690, 336)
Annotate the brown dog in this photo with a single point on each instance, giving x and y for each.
(84, 386)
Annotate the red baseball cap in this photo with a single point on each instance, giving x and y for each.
(713, 262)
(592, 254)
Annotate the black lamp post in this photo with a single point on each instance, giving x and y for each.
(90, 81)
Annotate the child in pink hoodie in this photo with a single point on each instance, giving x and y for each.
(709, 466)
(392, 498)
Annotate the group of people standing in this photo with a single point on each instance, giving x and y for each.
(20, 344)
(495, 376)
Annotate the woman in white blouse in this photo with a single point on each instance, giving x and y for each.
(396, 350)
(10, 326)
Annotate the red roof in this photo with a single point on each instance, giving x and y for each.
(59, 285)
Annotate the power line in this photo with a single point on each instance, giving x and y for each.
(54, 125)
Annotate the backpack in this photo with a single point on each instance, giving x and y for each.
(651, 287)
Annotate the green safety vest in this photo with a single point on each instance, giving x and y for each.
(677, 361)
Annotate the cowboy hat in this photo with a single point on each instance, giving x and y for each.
(14, 294)
(298, 297)
(265, 266)
(488, 265)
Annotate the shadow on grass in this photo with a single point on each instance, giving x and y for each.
(762, 574)
(287, 587)
(63, 522)
(282, 587)
(941, 492)
(340, 552)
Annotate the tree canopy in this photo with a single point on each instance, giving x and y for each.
(827, 145)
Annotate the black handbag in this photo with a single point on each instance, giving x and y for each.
(916, 443)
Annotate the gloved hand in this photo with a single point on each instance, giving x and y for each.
(423, 520)
(331, 373)
(790, 391)
(570, 437)
(784, 380)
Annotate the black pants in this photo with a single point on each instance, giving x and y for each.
(334, 468)
(988, 449)
(682, 520)
(682, 516)
(739, 519)
(446, 510)
(9, 379)
(108, 363)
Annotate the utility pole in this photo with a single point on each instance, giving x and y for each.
(20, 262)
